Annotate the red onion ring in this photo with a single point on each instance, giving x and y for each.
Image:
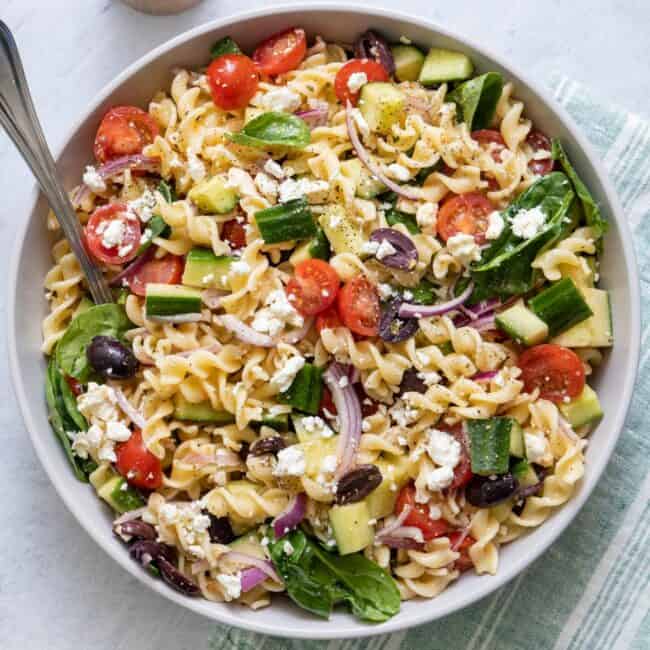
(485, 376)
(130, 411)
(132, 268)
(364, 157)
(410, 310)
(245, 333)
(250, 560)
(314, 117)
(291, 516)
(251, 577)
(130, 515)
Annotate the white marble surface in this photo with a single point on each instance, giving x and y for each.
(57, 589)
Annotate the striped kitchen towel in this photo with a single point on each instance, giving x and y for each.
(591, 589)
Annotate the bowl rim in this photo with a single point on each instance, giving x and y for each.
(561, 518)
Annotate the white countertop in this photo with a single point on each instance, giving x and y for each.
(57, 589)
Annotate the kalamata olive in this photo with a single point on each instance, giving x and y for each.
(372, 46)
(175, 579)
(411, 382)
(146, 551)
(405, 256)
(244, 451)
(220, 530)
(357, 484)
(393, 329)
(111, 359)
(135, 529)
(270, 445)
(482, 491)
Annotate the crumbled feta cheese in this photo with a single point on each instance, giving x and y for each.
(527, 223)
(168, 513)
(114, 233)
(278, 313)
(386, 292)
(93, 180)
(328, 465)
(316, 425)
(464, 248)
(443, 448)
(266, 185)
(403, 414)
(535, 447)
(426, 215)
(123, 251)
(200, 523)
(495, 225)
(434, 512)
(343, 381)
(315, 191)
(143, 206)
(231, 585)
(370, 247)
(439, 478)
(429, 378)
(284, 377)
(117, 431)
(239, 267)
(385, 249)
(195, 168)
(281, 99)
(291, 462)
(274, 169)
(99, 402)
(287, 547)
(398, 172)
(356, 80)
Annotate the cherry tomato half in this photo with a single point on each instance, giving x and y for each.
(419, 515)
(281, 52)
(492, 140)
(326, 407)
(234, 232)
(313, 287)
(464, 213)
(540, 142)
(137, 464)
(464, 562)
(374, 72)
(555, 370)
(112, 220)
(124, 131)
(328, 320)
(168, 270)
(233, 80)
(358, 306)
(74, 385)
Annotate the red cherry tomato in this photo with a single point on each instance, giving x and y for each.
(358, 306)
(168, 270)
(128, 233)
(491, 140)
(464, 562)
(233, 81)
(464, 213)
(234, 232)
(75, 386)
(555, 370)
(374, 72)
(328, 319)
(326, 406)
(281, 52)
(313, 287)
(124, 131)
(540, 142)
(419, 515)
(137, 464)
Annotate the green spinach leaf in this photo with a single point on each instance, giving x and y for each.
(505, 267)
(168, 192)
(224, 46)
(316, 579)
(157, 227)
(590, 209)
(476, 99)
(273, 129)
(106, 320)
(395, 216)
(70, 404)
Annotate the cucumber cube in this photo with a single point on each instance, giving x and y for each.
(382, 105)
(522, 325)
(445, 65)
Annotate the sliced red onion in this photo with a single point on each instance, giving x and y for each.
(130, 515)
(404, 532)
(485, 376)
(130, 411)
(297, 335)
(314, 117)
(372, 46)
(252, 577)
(398, 521)
(132, 268)
(292, 515)
(394, 329)
(354, 375)
(484, 323)
(409, 310)
(245, 333)
(406, 254)
(250, 560)
(137, 162)
(481, 308)
(461, 538)
(176, 319)
(468, 312)
(405, 191)
(212, 297)
(348, 409)
(79, 195)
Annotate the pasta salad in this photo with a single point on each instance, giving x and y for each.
(356, 309)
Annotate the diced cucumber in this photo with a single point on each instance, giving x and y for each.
(319, 246)
(408, 62)
(560, 306)
(206, 270)
(517, 446)
(445, 65)
(382, 104)
(522, 324)
(201, 412)
(490, 444)
(394, 472)
(584, 409)
(214, 196)
(351, 527)
(367, 187)
(315, 450)
(525, 474)
(278, 422)
(306, 390)
(344, 235)
(120, 495)
(594, 332)
(248, 544)
(170, 300)
(286, 222)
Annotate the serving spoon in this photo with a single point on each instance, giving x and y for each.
(19, 119)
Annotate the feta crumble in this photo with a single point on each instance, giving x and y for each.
(316, 425)
(464, 248)
(239, 267)
(535, 447)
(386, 291)
(426, 215)
(281, 99)
(443, 448)
(385, 249)
(495, 225)
(398, 172)
(356, 80)
(276, 315)
(283, 378)
(231, 585)
(526, 224)
(113, 234)
(328, 466)
(287, 547)
(291, 462)
(439, 478)
(143, 206)
(266, 185)
(93, 180)
(274, 169)
(315, 191)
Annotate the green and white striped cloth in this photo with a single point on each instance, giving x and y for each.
(591, 589)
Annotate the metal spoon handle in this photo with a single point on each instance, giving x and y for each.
(18, 117)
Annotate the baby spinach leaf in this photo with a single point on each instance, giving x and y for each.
(167, 191)
(590, 209)
(158, 227)
(106, 320)
(476, 99)
(395, 216)
(273, 129)
(316, 579)
(70, 404)
(505, 267)
(223, 46)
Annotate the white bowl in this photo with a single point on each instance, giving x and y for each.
(137, 85)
